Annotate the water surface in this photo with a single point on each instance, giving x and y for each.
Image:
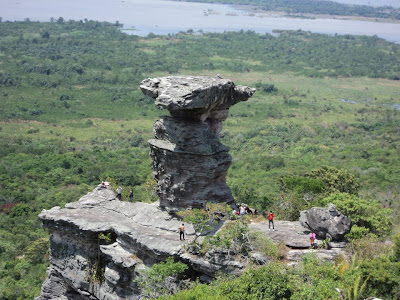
(163, 17)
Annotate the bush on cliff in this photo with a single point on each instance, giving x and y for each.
(269, 282)
(301, 192)
(159, 279)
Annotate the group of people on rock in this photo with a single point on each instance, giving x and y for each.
(244, 209)
(104, 185)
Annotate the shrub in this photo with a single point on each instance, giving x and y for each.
(396, 240)
(302, 184)
(357, 232)
(274, 251)
(336, 180)
(269, 282)
(37, 251)
(154, 281)
(234, 237)
(137, 140)
(204, 220)
(20, 210)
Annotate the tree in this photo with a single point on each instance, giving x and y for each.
(37, 251)
(46, 35)
(336, 180)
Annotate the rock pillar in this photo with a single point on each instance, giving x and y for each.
(189, 162)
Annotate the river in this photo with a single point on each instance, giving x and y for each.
(163, 17)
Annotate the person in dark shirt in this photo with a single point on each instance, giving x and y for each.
(182, 232)
(131, 195)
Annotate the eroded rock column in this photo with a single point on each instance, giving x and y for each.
(189, 162)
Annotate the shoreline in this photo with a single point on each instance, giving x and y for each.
(250, 10)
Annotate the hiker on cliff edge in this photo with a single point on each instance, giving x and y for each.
(271, 220)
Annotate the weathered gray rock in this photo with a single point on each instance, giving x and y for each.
(296, 238)
(56, 288)
(189, 162)
(83, 266)
(326, 222)
(258, 258)
(292, 234)
(195, 97)
(294, 256)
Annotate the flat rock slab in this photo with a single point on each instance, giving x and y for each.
(295, 236)
(99, 211)
(291, 233)
(295, 256)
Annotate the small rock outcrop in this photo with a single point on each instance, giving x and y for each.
(326, 222)
(189, 162)
(296, 239)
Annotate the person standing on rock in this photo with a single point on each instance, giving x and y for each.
(312, 239)
(119, 193)
(131, 195)
(271, 220)
(242, 210)
(182, 232)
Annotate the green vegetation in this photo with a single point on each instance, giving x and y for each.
(204, 220)
(316, 7)
(160, 278)
(72, 114)
(344, 279)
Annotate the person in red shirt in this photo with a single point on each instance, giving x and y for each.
(271, 220)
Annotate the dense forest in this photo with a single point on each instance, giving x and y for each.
(323, 126)
(321, 7)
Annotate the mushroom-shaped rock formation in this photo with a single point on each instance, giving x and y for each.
(189, 162)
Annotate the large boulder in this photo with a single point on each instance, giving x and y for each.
(189, 162)
(326, 222)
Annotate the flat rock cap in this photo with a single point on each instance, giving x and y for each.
(194, 96)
